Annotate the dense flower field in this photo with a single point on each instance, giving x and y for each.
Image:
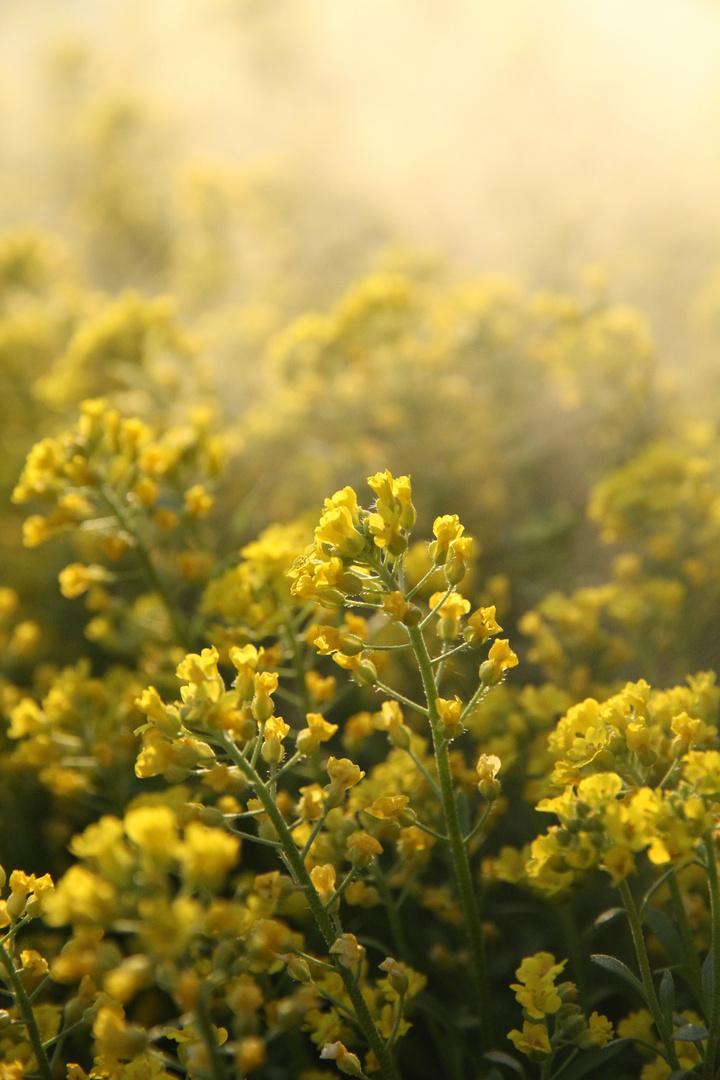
(357, 650)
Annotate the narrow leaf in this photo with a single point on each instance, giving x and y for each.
(708, 978)
(690, 1033)
(667, 995)
(592, 1061)
(665, 931)
(616, 967)
(606, 916)
(499, 1057)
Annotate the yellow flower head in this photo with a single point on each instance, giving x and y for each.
(323, 878)
(449, 613)
(76, 578)
(447, 529)
(337, 530)
(318, 731)
(388, 807)
(362, 847)
(500, 658)
(348, 950)
(344, 773)
(532, 1040)
(480, 626)
(487, 769)
(450, 713)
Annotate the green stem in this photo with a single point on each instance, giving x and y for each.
(207, 1032)
(473, 701)
(397, 929)
(458, 849)
(694, 965)
(347, 880)
(651, 998)
(714, 1017)
(299, 667)
(416, 588)
(399, 697)
(398, 1017)
(179, 623)
(432, 610)
(315, 830)
(423, 771)
(26, 1012)
(431, 832)
(323, 919)
(479, 823)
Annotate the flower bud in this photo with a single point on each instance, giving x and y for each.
(397, 975)
(272, 751)
(298, 968)
(262, 707)
(365, 673)
(351, 644)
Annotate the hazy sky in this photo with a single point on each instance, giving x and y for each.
(511, 134)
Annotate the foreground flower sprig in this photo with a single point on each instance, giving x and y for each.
(356, 560)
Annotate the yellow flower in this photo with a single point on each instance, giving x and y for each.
(154, 830)
(77, 578)
(362, 847)
(115, 1038)
(348, 950)
(207, 856)
(601, 1029)
(344, 773)
(533, 1039)
(487, 768)
(323, 878)
(337, 530)
(480, 626)
(499, 659)
(449, 614)
(250, 1053)
(246, 661)
(347, 1063)
(318, 731)
(450, 713)
(619, 862)
(388, 807)
(198, 503)
(196, 669)
(321, 688)
(447, 530)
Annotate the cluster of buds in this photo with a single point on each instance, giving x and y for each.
(450, 548)
(339, 562)
(27, 896)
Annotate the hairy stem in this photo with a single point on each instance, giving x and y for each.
(26, 1012)
(322, 916)
(458, 848)
(651, 998)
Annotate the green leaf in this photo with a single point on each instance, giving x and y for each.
(667, 995)
(616, 967)
(591, 1061)
(463, 809)
(665, 931)
(690, 1033)
(708, 979)
(499, 1057)
(606, 916)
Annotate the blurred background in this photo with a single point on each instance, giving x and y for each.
(534, 139)
(476, 242)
